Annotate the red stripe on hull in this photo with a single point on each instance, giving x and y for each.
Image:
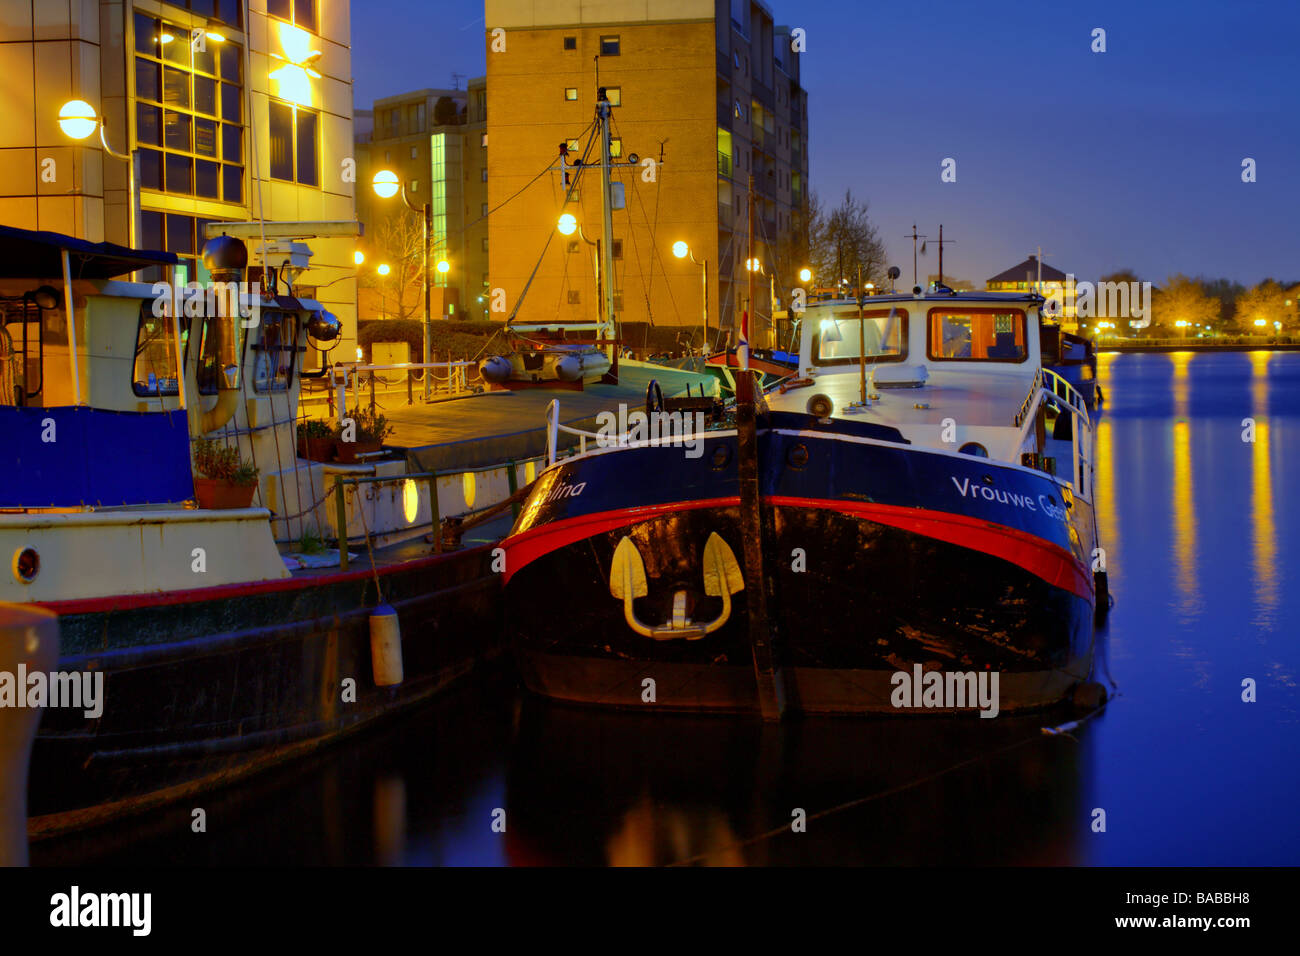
(1042, 558)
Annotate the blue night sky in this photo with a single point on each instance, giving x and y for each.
(1128, 158)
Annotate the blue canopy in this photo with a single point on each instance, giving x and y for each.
(25, 254)
(71, 456)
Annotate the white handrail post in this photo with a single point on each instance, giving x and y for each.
(552, 430)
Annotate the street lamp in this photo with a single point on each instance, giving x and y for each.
(683, 250)
(805, 274)
(568, 224)
(386, 185)
(358, 257)
(443, 266)
(77, 120)
(1182, 324)
(383, 269)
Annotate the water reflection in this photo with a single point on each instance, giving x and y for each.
(1183, 558)
(597, 788)
(1263, 524)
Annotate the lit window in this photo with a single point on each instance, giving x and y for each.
(301, 13)
(294, 144)
(615, 148)
(977, 335)
(484, 141)
(414, 187)
(485, 244)
(570, 43)
(609, 46)
(570, 92)
(189, 112)
(615, 95)
(483, 171)
(485, 209)
(573, 146)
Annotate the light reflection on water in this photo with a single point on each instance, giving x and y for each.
(1187, 773)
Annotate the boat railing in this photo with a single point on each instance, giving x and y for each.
(553, 429)
(430, 480)
(343, 374)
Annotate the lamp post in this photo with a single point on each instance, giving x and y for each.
(386, 185)
(682, 251)
(77, 120)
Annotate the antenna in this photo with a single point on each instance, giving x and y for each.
(914, 237)
(455, 80)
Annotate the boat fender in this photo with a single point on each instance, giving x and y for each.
(1101, 584)
(1088, 695)
(385, 646)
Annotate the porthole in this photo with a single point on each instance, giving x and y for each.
(974, 448)
(797, 456)
(27, 564)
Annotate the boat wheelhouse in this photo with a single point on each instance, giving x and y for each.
(925, 499)
(224, 649)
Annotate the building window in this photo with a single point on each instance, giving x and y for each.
(388, 155)
(735, 58)
(615, 148)
(739, 111)
(189, 113)
(301, 13)
(173, 232)
(618, 248)
(573, 246)
(574, 146)
(484, 141)
(293, 144)
(415, 152)
(570, 92)
(615, 95)
(483, 173)
(609, 46)
(485, 244)
(618, 301)
(485, 209)
(414, 187)
(575, 297)
(570, 43)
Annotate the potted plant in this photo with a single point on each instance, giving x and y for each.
(359, 433)
(315, 440)
(224, 479)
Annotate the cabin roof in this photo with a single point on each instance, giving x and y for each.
(931, 298)
(27, 254)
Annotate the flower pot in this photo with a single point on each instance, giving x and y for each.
(348, 451)
(218, 493)
(316, 449)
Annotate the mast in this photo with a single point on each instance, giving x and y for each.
(940, 253)
(607, 204)
(749, 265)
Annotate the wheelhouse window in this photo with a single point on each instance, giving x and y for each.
(274, 351)
(977, 335)
(154, 372)
(841, 338)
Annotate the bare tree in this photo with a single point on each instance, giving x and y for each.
(399, 243)
(843, 240)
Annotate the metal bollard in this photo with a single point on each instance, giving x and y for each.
(29, 637)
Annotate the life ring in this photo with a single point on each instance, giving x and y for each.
(654, 397)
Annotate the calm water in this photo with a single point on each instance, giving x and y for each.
(1200, 535)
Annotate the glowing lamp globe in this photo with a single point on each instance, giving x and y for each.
(77, 119)
(805, 275)
(567, 225)
(443, 266)
(383, 269)
(385, 184)
(358, 257)
(681, 249)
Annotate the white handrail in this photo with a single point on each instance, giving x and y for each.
(553, 429)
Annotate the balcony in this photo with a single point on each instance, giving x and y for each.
(724, 164)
